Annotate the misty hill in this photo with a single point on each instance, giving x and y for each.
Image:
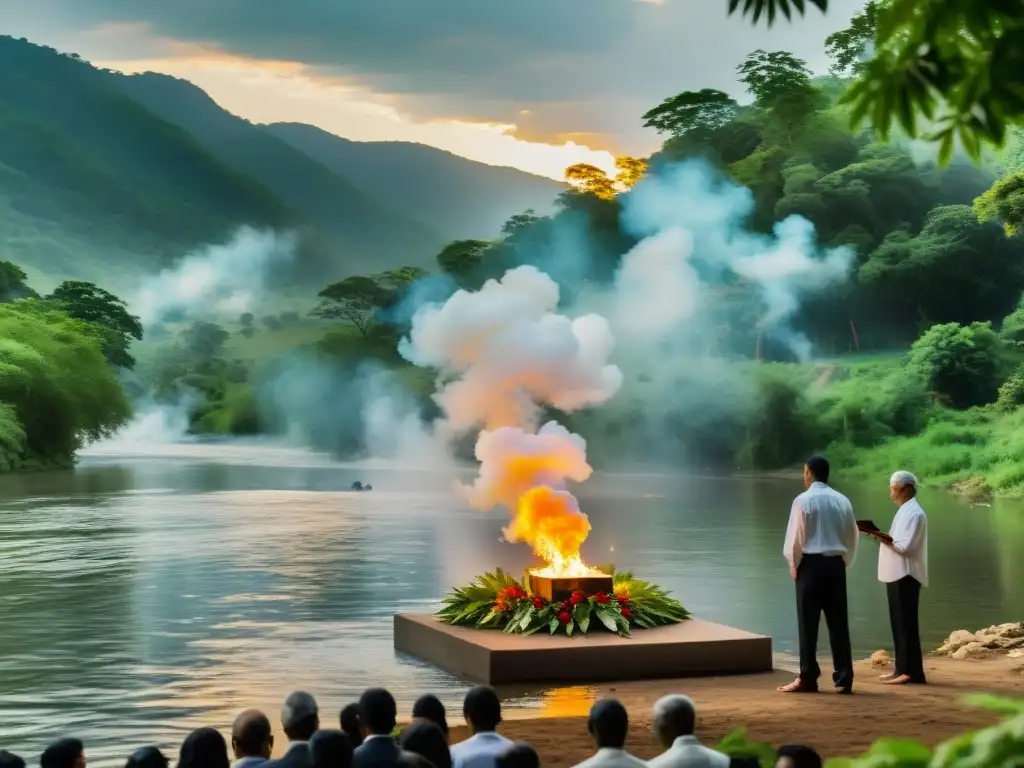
(376, 235)
(462, 198)
(90, 179)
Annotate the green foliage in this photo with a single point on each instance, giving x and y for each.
(961, 364)
(12, 283)
(737, 744)
(702, 112)
(498, 601)
(781, 430)
(55, 385)
(998, 746)
(205, 340)
(359, 300)
(1011, 391)
(1004, 202)
(85, 301)
(941, 62)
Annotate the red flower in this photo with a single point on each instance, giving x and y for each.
(623, 599)
(627, 613)
(565, 605)
(564, 617)
(576, 598)
(602, 598)
(538, 603)
(501, 605)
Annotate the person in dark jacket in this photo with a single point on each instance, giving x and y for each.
(300, 719)
(378, 715)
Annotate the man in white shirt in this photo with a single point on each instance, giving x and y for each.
(608, 724)
(903, 568)
(482, 710)
(675, 719)
(821, 542)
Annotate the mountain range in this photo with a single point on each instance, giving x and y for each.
(103, 171)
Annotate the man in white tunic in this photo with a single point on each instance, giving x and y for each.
(903, 568)
(821, 542)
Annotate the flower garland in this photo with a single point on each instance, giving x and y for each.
(498, 601)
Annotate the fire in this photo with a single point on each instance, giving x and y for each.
(551, 522)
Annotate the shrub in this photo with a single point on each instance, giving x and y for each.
(961, 364)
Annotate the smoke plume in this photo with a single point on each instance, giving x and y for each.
(504, 353)
(219, 280)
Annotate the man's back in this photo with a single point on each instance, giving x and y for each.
(828, 523)
(297, 756)
(376, 752)
(687, 752)
(479, 751)
(612, 758)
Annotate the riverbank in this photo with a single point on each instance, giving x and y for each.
(834, 725)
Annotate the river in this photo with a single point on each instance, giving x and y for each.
(144, 595)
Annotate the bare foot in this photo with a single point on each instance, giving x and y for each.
(797, 686)
(886, 678)
(901, 680)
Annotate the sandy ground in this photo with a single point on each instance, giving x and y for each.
(834, 725)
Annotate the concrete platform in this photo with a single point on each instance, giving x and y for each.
(690, 649)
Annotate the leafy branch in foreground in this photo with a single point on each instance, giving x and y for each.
(945, 70)
(498, 601)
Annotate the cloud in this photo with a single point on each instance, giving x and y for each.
(576, 66)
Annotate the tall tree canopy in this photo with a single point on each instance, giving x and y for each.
(86, 301)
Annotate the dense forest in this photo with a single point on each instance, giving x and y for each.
(916, 353)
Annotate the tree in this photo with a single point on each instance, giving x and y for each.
(630, 171)
(961, 364)
(1004, 202)
(956, 269)
(86, 301)
(847, 47)
(956, 64)
(520, 222)
(590, 180)
(56, 389)
(246, 319)
(205, 340)
(772, 75)
(462, 259)
(12, 283)
(356, 299)
(781, 85)
(692, 112)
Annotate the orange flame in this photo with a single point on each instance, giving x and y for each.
(551, 523)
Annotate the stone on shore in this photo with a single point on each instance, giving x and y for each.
(881, 658)
(962, 644)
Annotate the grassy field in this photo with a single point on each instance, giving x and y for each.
(979, 452)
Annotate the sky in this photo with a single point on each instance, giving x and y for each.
(533, 84)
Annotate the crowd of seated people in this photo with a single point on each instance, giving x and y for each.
(368, 738)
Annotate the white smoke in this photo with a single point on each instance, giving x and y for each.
(153, 425)
(218, 280)
(504, 351)
(688, 215)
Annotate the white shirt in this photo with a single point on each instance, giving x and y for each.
(821, 522)
(480, 750)
(687, 752)
(908, 555)
(608, 757)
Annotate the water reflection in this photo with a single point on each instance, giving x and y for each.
(145, 596)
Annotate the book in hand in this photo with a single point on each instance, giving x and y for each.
(867, 526)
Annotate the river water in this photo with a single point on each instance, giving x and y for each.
(144, 595)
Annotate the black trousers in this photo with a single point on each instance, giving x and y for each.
(904, 598)
(821, 588)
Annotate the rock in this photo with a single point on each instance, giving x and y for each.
(957, 640)
(970, 651)
(1017, 654)
(881, 658)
